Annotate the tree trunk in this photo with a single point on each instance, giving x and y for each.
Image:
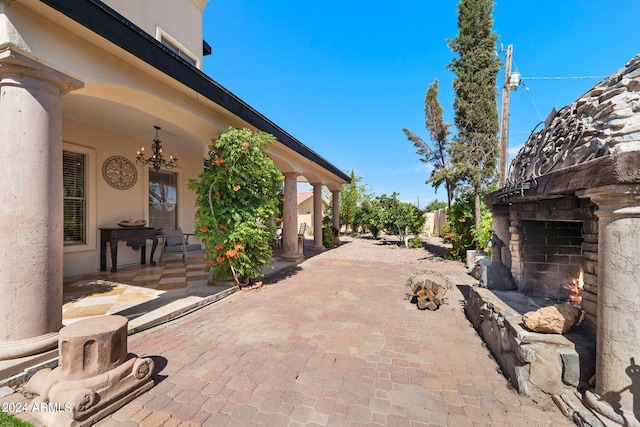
(478, 215)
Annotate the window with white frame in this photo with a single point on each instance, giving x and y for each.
(74, 198)
(163, 199)
(181, 52)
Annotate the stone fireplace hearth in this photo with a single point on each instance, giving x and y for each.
(571, 203)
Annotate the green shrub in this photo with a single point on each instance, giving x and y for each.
(327, 237)
(435, 205)
(460, 230)
(415, 243)
(368, 217)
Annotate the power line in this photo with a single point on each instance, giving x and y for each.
(512, 81)
(532, 100)
(563, 78)
(526, 88)
(522, 83)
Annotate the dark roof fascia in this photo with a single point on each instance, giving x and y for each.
(106, 22)
(206, 48)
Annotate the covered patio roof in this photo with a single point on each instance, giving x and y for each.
(102, 20)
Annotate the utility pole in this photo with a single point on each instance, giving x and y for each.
(504, 133)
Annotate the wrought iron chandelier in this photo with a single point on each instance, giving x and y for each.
(156, 161)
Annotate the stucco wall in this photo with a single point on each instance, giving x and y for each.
(109, 74)
(435, 221)
(180, 19)
(305, 214)
(123, 97)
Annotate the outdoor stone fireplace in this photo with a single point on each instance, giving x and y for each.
(572, 204)
(552, 242)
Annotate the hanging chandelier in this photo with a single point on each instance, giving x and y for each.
(156, 161)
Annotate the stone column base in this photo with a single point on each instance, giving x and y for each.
(292, 258)
(604, 408)
(69, 411)
(28, 347)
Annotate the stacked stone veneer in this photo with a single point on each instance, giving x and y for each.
(576, 243)
(532, 362)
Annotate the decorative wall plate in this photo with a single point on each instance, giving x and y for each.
(119, 172)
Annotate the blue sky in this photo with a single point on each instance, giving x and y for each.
(344, 77)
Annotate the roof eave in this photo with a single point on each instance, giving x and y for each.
(106, 22)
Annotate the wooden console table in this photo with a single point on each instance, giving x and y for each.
(136, 238)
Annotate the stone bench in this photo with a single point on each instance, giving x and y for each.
(532, 362)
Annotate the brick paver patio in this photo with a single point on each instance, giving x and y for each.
(336, 343)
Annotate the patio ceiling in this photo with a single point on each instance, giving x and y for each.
(127, 120)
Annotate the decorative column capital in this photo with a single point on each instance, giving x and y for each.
(16, 67)
(617, 199)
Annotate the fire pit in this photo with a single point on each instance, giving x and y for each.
(572, 204)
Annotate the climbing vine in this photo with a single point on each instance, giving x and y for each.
(238, 205)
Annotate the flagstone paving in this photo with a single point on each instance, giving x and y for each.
(334, 343)
(133, 291)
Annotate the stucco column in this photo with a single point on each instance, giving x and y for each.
(335, 203)
(618, 319)
(290, 217)
(317, 217)
(30, 204)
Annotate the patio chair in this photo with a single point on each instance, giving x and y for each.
(301, 231)
(277, 240)
(175, 241)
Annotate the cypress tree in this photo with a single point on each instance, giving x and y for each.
(475, 146)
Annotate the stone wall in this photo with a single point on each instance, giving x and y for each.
(532, 362)
(589, 293)
(434, 222)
